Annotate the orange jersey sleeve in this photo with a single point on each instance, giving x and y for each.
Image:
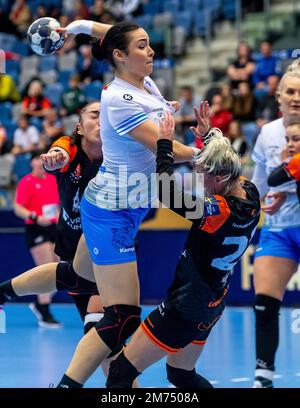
(293, 167)
(216, 213)
(64, 142)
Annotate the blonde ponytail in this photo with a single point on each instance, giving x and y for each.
(218, 158)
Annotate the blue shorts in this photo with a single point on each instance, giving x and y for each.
(110, 235)
(284, 243)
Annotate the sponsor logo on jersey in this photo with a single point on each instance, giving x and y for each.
(127, 97)
(211, 206)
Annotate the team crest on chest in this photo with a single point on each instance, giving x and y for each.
(75, 176)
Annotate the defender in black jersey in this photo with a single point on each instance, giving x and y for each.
(74, 160)
(287, 172)
(195, 300)
(72, 180)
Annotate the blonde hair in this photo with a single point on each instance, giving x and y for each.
(218, 158)
(293, 70)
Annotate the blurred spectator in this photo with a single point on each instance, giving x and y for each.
(268, 107)
(41, 11)
(242, 68)
(125, 9)
(73, 99)
(226, 92)
(243, 106)
(52, 128)
(26, 137)
(101, 14)
(4, 145)
(220, 117)
(20, 16)
(35, 104)
(237, 139)
(79, 10)
(7, 161)
(89, 69)
(185, 116)
(6, 24)
(266, 65)
(8, 89)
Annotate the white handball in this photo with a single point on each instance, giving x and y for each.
(43, 37)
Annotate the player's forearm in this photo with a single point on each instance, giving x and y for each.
(21, 211)
(100, 29)
(183, 153)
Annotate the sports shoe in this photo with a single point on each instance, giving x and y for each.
(261, 382)
(44, 316)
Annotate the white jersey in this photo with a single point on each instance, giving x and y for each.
(123, 180)
(266, 153)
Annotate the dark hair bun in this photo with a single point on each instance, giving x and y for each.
(98, 51)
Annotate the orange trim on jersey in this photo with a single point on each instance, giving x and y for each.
(293, 167)
(215, 221)
(199, 342)
(64, 142)
(157, 342)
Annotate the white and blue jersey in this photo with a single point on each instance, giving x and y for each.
(266, 152)
(123, 180)
(118, 198)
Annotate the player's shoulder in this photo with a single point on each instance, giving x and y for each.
(274, 126)
(216, 213)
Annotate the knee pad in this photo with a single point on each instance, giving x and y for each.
(266, 309)
(186, 378)
(90, 321)
(67, 279)
(118, 323)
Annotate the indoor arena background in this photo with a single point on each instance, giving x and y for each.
(195, 43)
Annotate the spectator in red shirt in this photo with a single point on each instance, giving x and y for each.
(37, 202)
(219, 116)
(35, 104)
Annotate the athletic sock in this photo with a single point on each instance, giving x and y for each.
(67, 382)
(6, 291)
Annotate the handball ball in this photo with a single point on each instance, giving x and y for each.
(43, 37)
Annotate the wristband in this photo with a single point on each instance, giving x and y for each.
(80, 27)
(196, 154)
(33, 217)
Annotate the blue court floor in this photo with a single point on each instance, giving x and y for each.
(35, 357)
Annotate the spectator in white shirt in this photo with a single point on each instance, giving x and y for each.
(26, 137)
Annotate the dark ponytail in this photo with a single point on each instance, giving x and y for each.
(117, 37)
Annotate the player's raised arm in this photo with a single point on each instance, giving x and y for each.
(88, 27)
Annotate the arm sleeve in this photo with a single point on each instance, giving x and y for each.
(293, 167)
(279, 176)
(171, 194)
(64, 143)
(124, 113)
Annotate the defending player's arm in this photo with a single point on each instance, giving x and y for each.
(61, 153)
(170, 193)
(286, 172)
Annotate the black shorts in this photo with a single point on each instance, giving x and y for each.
(36, 235)
(171, 332)
(66, 244)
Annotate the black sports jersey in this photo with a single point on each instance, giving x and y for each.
(217, 240)
(286, 172)
(72, 181)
